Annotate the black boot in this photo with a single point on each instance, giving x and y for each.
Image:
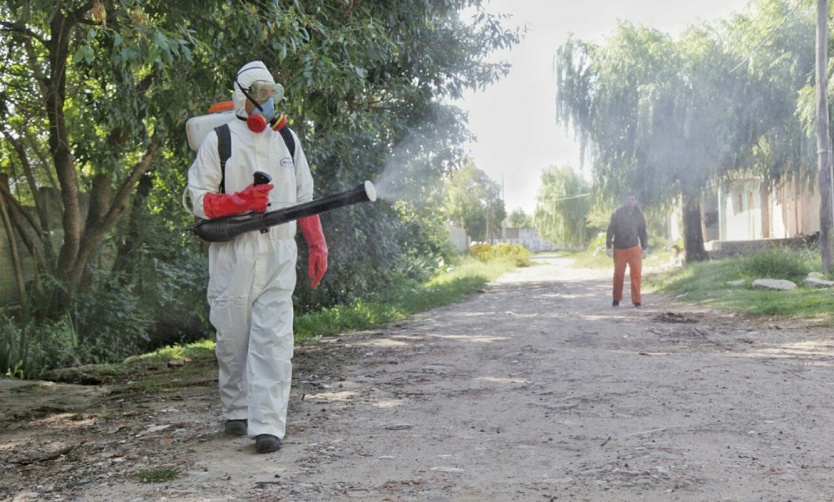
(235, 427)
(267, 443)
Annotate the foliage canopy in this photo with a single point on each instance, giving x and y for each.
(94, 96)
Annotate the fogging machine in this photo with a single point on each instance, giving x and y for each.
(227, 228)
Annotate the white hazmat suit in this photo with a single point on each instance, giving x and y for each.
(252, 277)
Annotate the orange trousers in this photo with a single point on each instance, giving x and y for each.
(633, 257)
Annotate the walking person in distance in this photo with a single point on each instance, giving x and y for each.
(626, 242)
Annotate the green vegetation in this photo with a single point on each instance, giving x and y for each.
(454, 283)
(158, 474)
(515, 253)
(402, 299)
(94, 177)
(519, 219)
(563, 205)
(183, 352)
(473, 202)
(708, 283)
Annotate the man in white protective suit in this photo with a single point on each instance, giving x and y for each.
(252, 277)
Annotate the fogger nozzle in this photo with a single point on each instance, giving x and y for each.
(226, 229)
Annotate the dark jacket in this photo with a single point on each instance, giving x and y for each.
(626, 229)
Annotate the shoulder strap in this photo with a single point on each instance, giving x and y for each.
(286, 133)
(224, 149)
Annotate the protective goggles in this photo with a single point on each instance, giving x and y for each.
(261, 90)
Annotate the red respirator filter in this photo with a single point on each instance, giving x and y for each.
(256, 123)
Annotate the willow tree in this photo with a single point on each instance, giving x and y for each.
(664, 118)
(473, 202)
(562, 207)
(773, 42)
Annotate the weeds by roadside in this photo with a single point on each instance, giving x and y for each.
(712, 283)
(450, 285)
(158, 475)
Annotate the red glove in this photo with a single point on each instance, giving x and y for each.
(316, 247)
(253, 198)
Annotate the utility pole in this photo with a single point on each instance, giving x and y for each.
(823, 141)
(489, 217)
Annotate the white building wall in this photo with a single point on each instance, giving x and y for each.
(529, 238)
(742, 212)
(794, 211)
(778, 221)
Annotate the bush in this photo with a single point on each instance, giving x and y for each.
(517, 253)
(154, 297)
(777, 263)
(28, 349)
(111, 321)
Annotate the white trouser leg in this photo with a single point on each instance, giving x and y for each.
(250, 293)
(271, 339)
(231, 349)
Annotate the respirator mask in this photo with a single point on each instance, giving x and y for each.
(264, 95)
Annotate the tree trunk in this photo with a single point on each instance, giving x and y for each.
(130, 242)
(81, 239)
(105, 220)
(23, 220)
(39, 262)
(41, 225)
(693, 237)
(55, 84)
(17, 263)
(823, 141)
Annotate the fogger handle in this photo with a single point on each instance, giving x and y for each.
(262, 178)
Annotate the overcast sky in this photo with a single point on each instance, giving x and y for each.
(514, 119)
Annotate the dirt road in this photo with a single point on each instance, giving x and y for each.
(536, 389)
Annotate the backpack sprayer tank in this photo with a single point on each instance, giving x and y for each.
(198, 127)
(226, 229)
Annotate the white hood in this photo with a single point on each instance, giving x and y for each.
(248, 73)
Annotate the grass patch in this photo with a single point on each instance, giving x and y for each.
(187, 352)
(158, 475)
(450, 286)
(708, 283)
